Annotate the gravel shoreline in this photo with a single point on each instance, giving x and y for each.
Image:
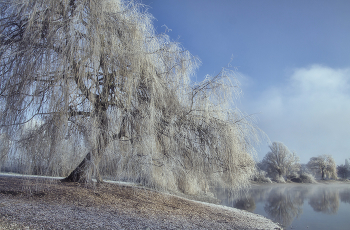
(50, 204)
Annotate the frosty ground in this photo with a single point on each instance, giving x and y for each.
(37, 203)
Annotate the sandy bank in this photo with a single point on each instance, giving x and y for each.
(49, 204)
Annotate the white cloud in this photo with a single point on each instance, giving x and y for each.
(311, 114)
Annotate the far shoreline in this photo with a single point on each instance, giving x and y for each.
(318, 181)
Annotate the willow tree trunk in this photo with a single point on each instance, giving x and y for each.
(89, 166)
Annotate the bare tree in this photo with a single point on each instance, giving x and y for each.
(280, 161)
(100, 87)
(323, 164)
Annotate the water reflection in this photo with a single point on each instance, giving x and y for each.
(283, 206)
(285, 203)
(245, 204)
(241, 201)
(325, 200)
(345, 195)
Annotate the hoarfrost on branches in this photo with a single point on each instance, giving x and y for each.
(108, 97)
(280, 162)
(325, 165)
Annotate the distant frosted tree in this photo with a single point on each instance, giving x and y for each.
(342, 171)
(280, 161)
(110, 96)
(325, 165)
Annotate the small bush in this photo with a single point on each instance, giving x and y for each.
(260, 177)
(307, 178)
(279, 179)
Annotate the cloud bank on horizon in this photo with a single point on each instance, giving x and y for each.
(310, 113)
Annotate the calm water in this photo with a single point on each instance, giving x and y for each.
(305, 206)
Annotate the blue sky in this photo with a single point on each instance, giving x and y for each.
(293, 58)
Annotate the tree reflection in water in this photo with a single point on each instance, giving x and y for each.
(284, 205)
(345, 195)
(247, 204)
(241, 200)
(325, 200)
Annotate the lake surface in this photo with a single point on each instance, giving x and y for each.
(304, 206)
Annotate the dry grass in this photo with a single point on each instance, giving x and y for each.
(50, 204)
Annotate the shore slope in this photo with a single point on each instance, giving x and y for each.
(38, 203)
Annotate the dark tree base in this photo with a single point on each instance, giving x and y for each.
(80, 174)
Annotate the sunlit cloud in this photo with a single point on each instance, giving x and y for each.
(310, 113)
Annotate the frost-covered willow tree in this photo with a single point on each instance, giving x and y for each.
(88, 89)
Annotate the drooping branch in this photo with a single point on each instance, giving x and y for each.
(111, 97)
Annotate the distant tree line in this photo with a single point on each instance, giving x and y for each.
(281, 165)
(344, 170)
